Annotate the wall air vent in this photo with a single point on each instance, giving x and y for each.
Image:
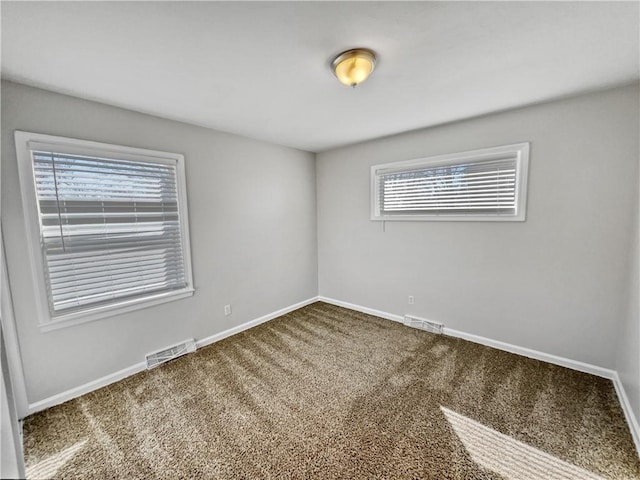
(422, 324)
(162, 356)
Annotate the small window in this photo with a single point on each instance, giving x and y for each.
(107, 227)
(488, 184)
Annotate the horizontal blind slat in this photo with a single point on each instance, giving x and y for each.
(90, 273)
(393, 180)
(62, 260)
(70, 290)
(108, 297)
(458, 184)
(495, 207)
(452, 194)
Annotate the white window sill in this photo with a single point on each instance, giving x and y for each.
(96, 313)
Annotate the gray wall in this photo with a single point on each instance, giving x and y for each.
(252, 215)
(556, 283)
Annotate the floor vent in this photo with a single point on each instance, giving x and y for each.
(162, 356)
(422, 324)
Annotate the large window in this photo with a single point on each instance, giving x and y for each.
(107, 227)
(487, 184)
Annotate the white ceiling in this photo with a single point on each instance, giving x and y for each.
(261, 69)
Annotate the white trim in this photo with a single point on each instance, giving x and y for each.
(138, 367)
(360, 308)
(11, 344)
(632, 421)
(24, 143)
(32, 226)
(85, 388)
(72, 146)
(12, 465)
(507, 347)
(245, 326)
(521, 152)
(112, 309)
(535, 354)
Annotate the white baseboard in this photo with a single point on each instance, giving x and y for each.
(245, 326)
(526, 352)
(86, 388)
(535, 354)
(138, 367)
(360, 308)
(632, 421)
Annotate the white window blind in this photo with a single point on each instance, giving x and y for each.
(107, 227)
(483, 184)
(110, 229)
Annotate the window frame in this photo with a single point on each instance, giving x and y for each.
(25, 143)
(483, 154)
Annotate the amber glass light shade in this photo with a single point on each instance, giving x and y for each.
(354, 66)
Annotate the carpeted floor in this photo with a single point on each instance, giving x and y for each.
(325, 392)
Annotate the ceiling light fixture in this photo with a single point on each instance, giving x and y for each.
(354, 66)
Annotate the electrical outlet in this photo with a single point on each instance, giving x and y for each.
(410, 299)
(227, 309)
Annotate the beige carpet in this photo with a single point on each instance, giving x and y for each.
(325, 392)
